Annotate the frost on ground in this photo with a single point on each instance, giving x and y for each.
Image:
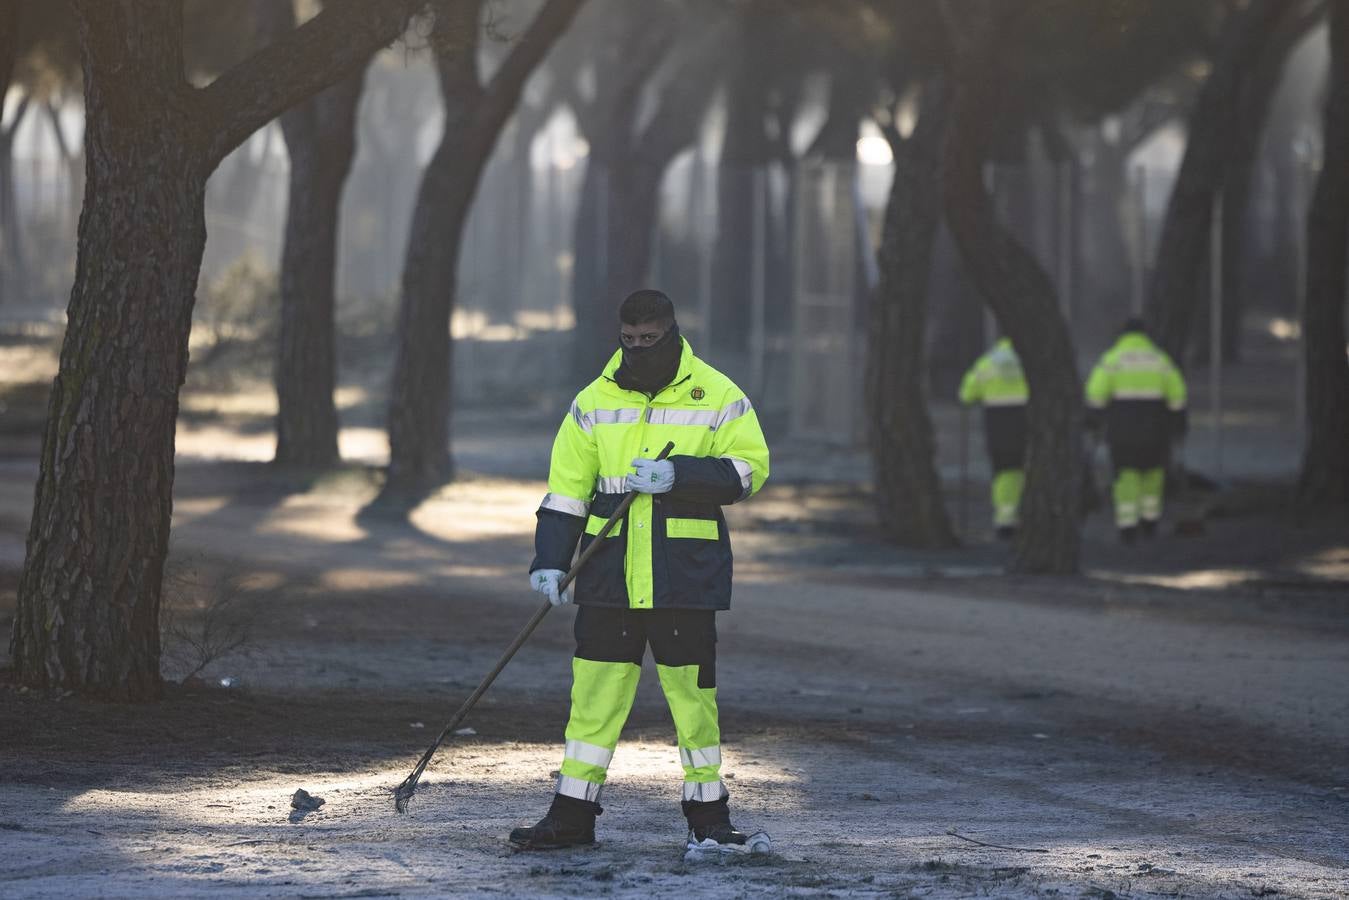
(1127, 740)
(230, 837)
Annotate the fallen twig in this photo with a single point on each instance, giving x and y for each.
(953, 833)
(254, 841)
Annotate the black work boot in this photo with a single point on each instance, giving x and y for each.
(569, 823)
(1147, 528)
(711, 821)
(1128, 535)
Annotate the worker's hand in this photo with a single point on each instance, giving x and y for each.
(545, 581)
(653, 476)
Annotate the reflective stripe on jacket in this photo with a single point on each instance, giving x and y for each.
(995, 379)
(670, 550)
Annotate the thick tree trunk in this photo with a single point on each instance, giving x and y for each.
(89, 597)
(746, 149)
(421, 390)
(419, 403)
(594, 338)
(321, 139)
(87, 616)
(1022, 298)
(633, 46)
(908, 486)
(1259, 83)
(1324, 481)
(634, 203)
(635, 177)
(1212, 129)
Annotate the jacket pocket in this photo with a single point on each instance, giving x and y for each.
(697, 558)
(595, 523)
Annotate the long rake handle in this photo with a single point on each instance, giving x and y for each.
(404, 791)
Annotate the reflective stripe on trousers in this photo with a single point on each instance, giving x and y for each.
(705, 792)
(1006, 488)
(1138, 494)
(601, 697)
(579, 788)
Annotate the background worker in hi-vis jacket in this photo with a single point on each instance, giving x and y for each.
(663, 571)
(997, 383)
(1138, 395)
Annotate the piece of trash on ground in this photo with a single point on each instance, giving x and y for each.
(304, 801)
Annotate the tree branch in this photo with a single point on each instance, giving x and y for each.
(328, 47)
(509, 79)
(683, 101)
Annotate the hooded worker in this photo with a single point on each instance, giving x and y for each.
(1138, 395)
(996, 382)
(663, 571)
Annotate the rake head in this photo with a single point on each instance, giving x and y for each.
(403, 793)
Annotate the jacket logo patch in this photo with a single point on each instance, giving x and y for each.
(697, 393)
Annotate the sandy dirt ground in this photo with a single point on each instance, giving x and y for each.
(1173, 723)
(1114, 737)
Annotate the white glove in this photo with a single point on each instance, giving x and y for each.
(545, 581)
(653, 476)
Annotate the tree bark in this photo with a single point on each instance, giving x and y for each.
(1213, 126)
(419, 400)
(320, 136)
(1022, 298)
(89, 595)
(908, 487)
(87, 617)
(1324, 480)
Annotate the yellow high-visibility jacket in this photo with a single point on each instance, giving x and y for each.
(995, 379)
(671, 550)
(1139, 394)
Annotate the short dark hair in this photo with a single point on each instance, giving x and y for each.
(1134, 323)
(644, 306)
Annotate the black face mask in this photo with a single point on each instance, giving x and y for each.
(650, 369)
